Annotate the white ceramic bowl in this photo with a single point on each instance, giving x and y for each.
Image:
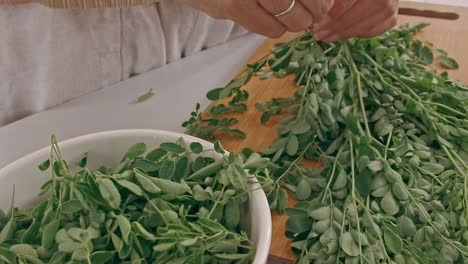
(107, 148)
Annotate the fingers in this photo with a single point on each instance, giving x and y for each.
(318, 8)
(357, 21)
(295, 20)
(364, 28)
(380, 29)
(340, 7)
(256, 19)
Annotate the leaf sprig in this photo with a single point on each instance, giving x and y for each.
(169, 205)
(392, 136)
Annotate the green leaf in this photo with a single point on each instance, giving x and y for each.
(255, 161)
(207, 170)
(162, 247)
(282, 200)
(426, 55)
(359, 238)
(189, 242)
(83, 161)
(211, 225)
(406, 226)
(341, 180)
(50, 231)
(146, 165)
(69, 247)
(234, 85)
(196, 147)
(117, 242)
(321, 213)
(145, 96)
(79, 255)
(214, 94)
(146, 183)
(44, 166)
(392, 241)
(442, 52)
(170, 187)
(62, 237)
(433, 168)
(156, 154)
(445, 142)
(348, 245)
(24, 250)
(125, 227)
(400, 192)
(172, 147)
(303, 190)
(389, 204)
(71, 206)
(301, 126)
(449, 63)
(46, 187)
(7, 256)
(232, 214)
(135, 151)
(383, 127)
(109, 192)
(364, 181)
(234, 132)
(170, 217)
(378, 115)
(141, 231)
(102, 256)
(218, 147)
(265, 117)
(293, 145)
(131, 187)
(31, 233)
(375, 165)
(199, 194)
(167, 169)
(77, 234)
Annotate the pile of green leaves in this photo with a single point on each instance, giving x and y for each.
(392, 136)
(171, 205)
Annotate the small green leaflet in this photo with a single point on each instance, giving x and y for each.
(44, 166)
(449, 63)
(145, 96)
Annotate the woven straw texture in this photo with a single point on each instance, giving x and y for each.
(82, 3)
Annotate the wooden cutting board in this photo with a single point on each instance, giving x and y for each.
(450, 34)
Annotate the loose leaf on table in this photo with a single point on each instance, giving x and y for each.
(145, 97)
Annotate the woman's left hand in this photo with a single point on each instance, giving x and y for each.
(357, 18)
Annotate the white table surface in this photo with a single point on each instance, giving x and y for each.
(177, 86)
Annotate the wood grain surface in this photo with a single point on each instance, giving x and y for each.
(449, 34)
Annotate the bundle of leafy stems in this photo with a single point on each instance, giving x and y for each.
(391, 134)
(174, 204)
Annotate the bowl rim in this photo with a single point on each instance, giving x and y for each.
(264, 238)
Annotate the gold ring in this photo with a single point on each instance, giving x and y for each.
(291, 6)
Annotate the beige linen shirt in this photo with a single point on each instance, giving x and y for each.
(49, 56)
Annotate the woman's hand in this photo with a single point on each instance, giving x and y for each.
(260, 15)
(357, 18)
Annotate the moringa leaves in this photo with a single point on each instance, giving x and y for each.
(389, 133)
(121, 215)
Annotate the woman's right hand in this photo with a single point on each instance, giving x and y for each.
(259, 16)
